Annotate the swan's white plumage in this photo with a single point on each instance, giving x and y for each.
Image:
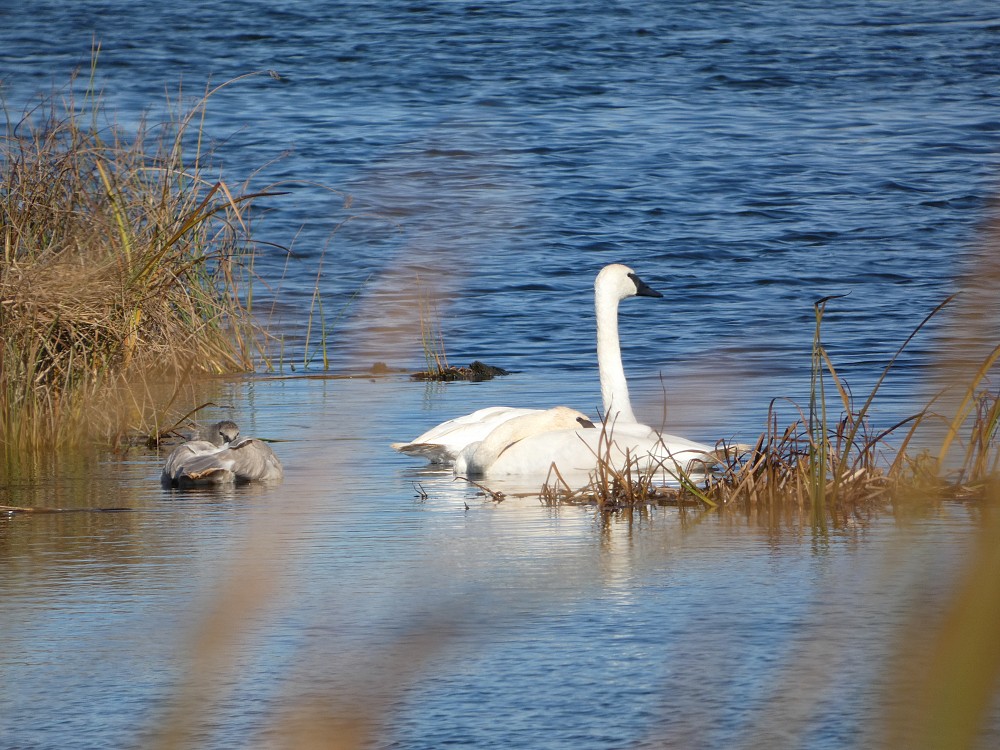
(571, 450)
(442, 444)
(477, 458)
(576, 452)
(219, 457)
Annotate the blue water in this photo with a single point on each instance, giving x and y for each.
(746, 159)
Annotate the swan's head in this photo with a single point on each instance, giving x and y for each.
(547, 420)
(221, 433)
(564, 418)
(621, 282)
(535, 423)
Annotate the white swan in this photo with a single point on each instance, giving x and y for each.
(573, 449)
(219, 457)
(622, 439)
(444, 442)
(477, 458)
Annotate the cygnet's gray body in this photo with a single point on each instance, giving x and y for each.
(218, 456)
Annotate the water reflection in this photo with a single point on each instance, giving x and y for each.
(369, 596)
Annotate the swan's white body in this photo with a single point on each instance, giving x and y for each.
(443, 443)
(476, 459)
(533, 450)
(576, 453)
(219, 457)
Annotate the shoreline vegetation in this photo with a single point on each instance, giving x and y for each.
(127, 270)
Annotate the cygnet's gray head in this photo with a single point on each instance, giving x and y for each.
(221, 433)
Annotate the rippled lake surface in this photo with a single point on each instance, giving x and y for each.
(745, 159)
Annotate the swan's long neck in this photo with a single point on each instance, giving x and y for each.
(614, 388)
(502, 437)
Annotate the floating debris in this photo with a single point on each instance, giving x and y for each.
(475, 372)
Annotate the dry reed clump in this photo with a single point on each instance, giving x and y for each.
(123, 259)
(435, 356)
(476, 372)
(832, 468)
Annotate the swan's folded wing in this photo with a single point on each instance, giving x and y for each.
(211, 475)
(254, 461)
(433, 452)
(442, 444)
(181, 455)
(486, 418)
(206, 468)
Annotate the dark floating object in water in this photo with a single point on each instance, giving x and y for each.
(475, 372)
(218, 456)
(12, 509)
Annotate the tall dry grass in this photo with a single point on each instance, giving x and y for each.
(831, 461)
(126, 259)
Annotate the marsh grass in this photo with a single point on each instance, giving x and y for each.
(319, 325)
(833, 467)
(432, 339)
(126, 259)
(637, 480)
(317, 317)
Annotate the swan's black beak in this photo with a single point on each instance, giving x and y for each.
(585, 423)
(642, 289)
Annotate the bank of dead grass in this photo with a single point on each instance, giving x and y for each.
(126, 258)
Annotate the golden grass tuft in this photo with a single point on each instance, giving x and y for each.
(124, 259)
(432, 339)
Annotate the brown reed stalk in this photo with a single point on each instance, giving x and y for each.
(966, 406)
(432, 338)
